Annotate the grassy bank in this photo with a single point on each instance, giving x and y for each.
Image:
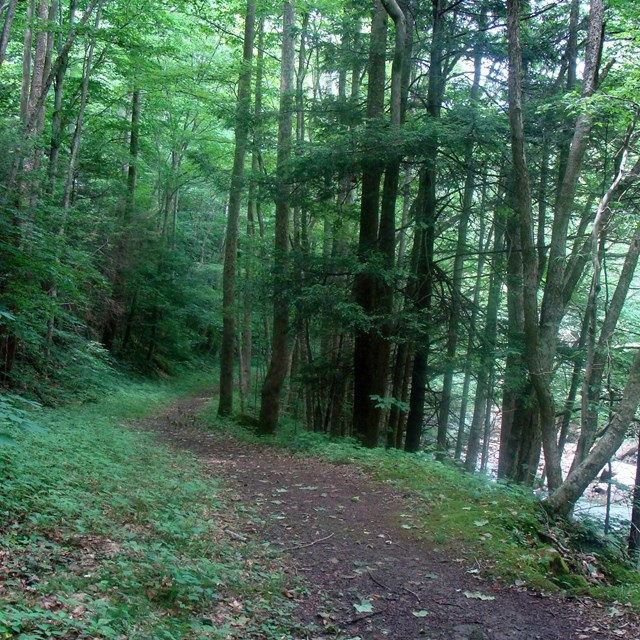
(501, 530)
(104, 533)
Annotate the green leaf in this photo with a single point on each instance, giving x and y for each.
(476, 595)
(365, 606)
(420, 614)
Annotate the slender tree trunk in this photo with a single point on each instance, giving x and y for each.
(126, 213)
(487, 358)
(71, 168)
(464, 397)
(562, 500)
(77, 134)
(597, 354)
(26, 62)
(225, 404)
(461, 246)
(56, 119)
(270, 406)
(425, 221)
(6, 28)
(424, 240)
(634, 531)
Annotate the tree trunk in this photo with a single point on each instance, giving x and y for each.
(371, 348)
(272, 386)
(487, 351)
(461, 246)
(562, 500)
(225, 404)
(6, 29)
(56, 119)
(541, 331)
(120, 255)
(634, 531)
(597, 354)
(464, 396)
(425, 220)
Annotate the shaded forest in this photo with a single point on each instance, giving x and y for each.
(413, 223)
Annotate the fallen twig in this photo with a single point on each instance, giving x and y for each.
(364, 616)
(413, 593)
(447, 604)
(236, 536)
(309, 544)
(378, 582)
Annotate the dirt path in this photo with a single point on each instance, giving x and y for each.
(344, 537)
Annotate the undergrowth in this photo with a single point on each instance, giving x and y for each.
(500, 530)
(104, 533)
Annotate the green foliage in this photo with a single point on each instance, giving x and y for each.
(104, 533)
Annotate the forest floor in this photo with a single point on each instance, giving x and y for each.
(361, 571)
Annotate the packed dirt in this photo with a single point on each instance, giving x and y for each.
(366, 576)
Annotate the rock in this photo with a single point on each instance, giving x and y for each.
(555, 563)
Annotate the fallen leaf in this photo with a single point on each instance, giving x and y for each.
(476, 595)
(365, 606)
(480, 523)
(420, 614)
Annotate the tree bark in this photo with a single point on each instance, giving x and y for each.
(597, 354)
(634, 530)
(487, 352)
(6, 28)
(272, 386)
(425, 220)
(225, 403)
(461, 246)
(562, 500)
(371, 348)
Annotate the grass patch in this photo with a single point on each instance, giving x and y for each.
(104, 533)
(501, 530)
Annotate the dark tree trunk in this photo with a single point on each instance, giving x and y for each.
(425, 221)
(276, 374)
(121, 258)
(371, 348)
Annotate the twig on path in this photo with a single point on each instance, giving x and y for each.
(447, 604)
(378, 582)
(309, 544)
(364, 616)
(413, 593)
(236, 536)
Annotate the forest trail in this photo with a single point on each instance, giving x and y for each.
(342, 534)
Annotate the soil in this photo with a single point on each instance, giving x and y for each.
(341, 533)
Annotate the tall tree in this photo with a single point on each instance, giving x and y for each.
(276, 374)
(371, 347)
(229, 311)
